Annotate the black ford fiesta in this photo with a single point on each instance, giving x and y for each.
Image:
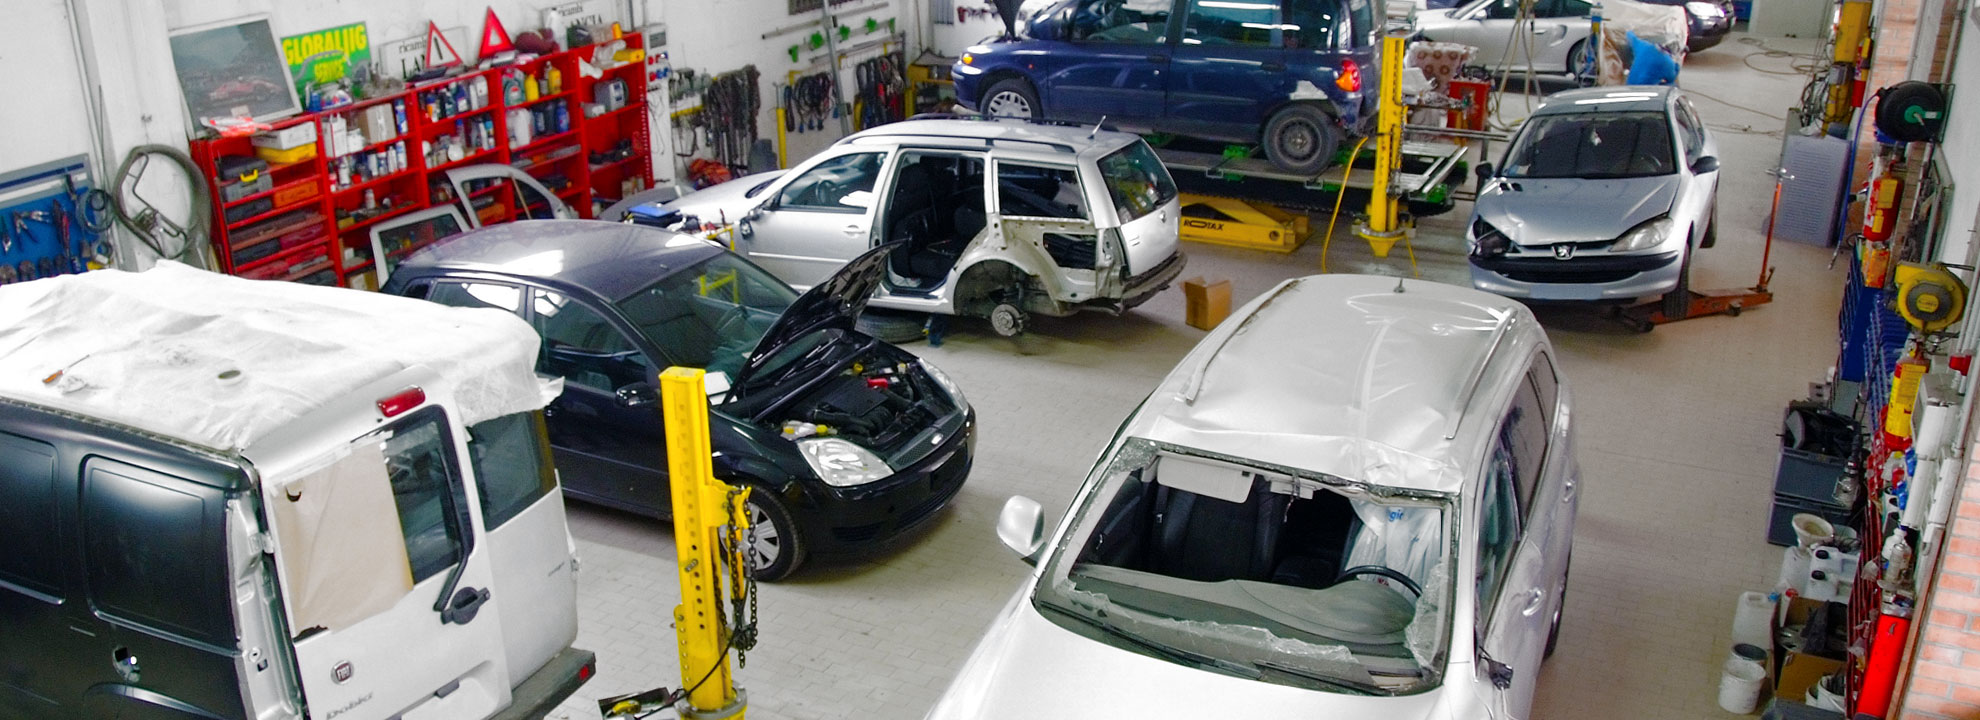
(845, 439)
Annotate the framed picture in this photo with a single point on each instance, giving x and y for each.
(233, 69)
(393, 239)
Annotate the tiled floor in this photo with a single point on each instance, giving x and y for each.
(1676, 439)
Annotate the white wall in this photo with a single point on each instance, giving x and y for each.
(47, 120)
(1963, 141)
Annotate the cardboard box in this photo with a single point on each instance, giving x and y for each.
(1800, 672)
(288, 138)
(1206, 302)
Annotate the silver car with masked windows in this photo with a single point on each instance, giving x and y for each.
(995, 219)
(1603, 195)
(1378, 528)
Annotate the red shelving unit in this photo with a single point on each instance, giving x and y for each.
(311, 226)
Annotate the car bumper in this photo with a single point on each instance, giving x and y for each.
(1625, 277)
(969, 82)
(857, 517)
(547, 688)
(1141, 286)
(1706, 33)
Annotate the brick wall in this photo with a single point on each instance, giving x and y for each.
(1945, 663)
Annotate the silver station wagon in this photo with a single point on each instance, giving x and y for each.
(993, 219)
(1355, 498)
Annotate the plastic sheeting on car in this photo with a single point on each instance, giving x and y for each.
(221, 361)
(1666, 26)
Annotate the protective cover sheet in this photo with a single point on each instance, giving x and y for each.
(1664, 25)
(343, 555)
(221, 361)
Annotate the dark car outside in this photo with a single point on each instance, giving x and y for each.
(1710, 21)
(1293, 76)
(845, 440)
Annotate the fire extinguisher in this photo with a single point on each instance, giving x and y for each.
(1881, 215)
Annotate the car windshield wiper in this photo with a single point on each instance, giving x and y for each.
(1171, 653)
(1339, 682)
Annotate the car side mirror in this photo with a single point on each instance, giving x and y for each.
(1708, 163)
(1022, 527)
(1484, 171)
(639, 394)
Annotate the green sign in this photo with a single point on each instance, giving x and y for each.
(326, 55)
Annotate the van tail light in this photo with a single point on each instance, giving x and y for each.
(1350, 77)
(406, 399)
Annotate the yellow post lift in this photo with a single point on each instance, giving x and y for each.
(709, 524)
(1384, 224)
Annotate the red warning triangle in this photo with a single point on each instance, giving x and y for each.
(435, 40)
(490, 31)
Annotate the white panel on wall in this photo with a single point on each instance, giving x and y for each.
(50, 119)
(1963, 141)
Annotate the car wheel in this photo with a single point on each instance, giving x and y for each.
(1677, 302)
(772, 545)
(1011, 97)
(1579, 67)
(1711, 227)
(1301, 139)
(1007, 320)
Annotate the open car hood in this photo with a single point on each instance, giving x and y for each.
(835, 303)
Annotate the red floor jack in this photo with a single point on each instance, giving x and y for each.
(1729, 301)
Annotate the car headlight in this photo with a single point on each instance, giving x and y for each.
(948, 385)
(1649, 234)
(1487, 241)
(841, 463)
(1705, 9)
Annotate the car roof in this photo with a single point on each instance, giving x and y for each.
(1064, 139)
(1363, 378)
(221, 362)
(613, 260)
(1625, 98)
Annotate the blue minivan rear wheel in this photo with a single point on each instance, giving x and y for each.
(1301, 139)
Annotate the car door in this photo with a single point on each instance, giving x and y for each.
(1697, 191)
(532, 556)
(1514, 586)
(1557, 25)
(820, 217)
(1117, 65)
(605, 430)
(522, 193)
(386, 577)
(1486, 25)
(1228, 68)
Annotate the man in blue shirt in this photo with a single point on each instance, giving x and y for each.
(1649, 64)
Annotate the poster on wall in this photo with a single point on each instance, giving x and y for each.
(326, 55)
(232, 70)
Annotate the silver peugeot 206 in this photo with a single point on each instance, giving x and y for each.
(1379, 527)
(1603, 195)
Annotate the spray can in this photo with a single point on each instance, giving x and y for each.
(399, 114)
(563, 117)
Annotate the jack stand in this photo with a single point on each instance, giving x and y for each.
(1728, 301)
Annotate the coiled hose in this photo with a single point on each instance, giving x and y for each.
(148, 225)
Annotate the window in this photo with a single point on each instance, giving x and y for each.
(1136, 181)
(425, 487)
(1498, 526)
(477, 295)
(1316, 24)
(1250, 23)
(1593, 145)
(155, 551)
(1692, 130)
(1502, 10)
(708, 316)
(842, 184)
(582, 347)
(1571, 8)
(27, 518)
(512, 469)
(1038, 191)
(1524, 434)
(1546, 384)
(1122, 21)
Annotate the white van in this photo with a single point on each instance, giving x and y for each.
(223, 498)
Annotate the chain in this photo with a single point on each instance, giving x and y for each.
(743, 636)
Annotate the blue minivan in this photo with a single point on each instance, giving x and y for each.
(1286, 74)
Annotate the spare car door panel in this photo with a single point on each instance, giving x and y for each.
(820, 218)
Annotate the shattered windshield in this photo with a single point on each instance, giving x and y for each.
(1257, 572)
